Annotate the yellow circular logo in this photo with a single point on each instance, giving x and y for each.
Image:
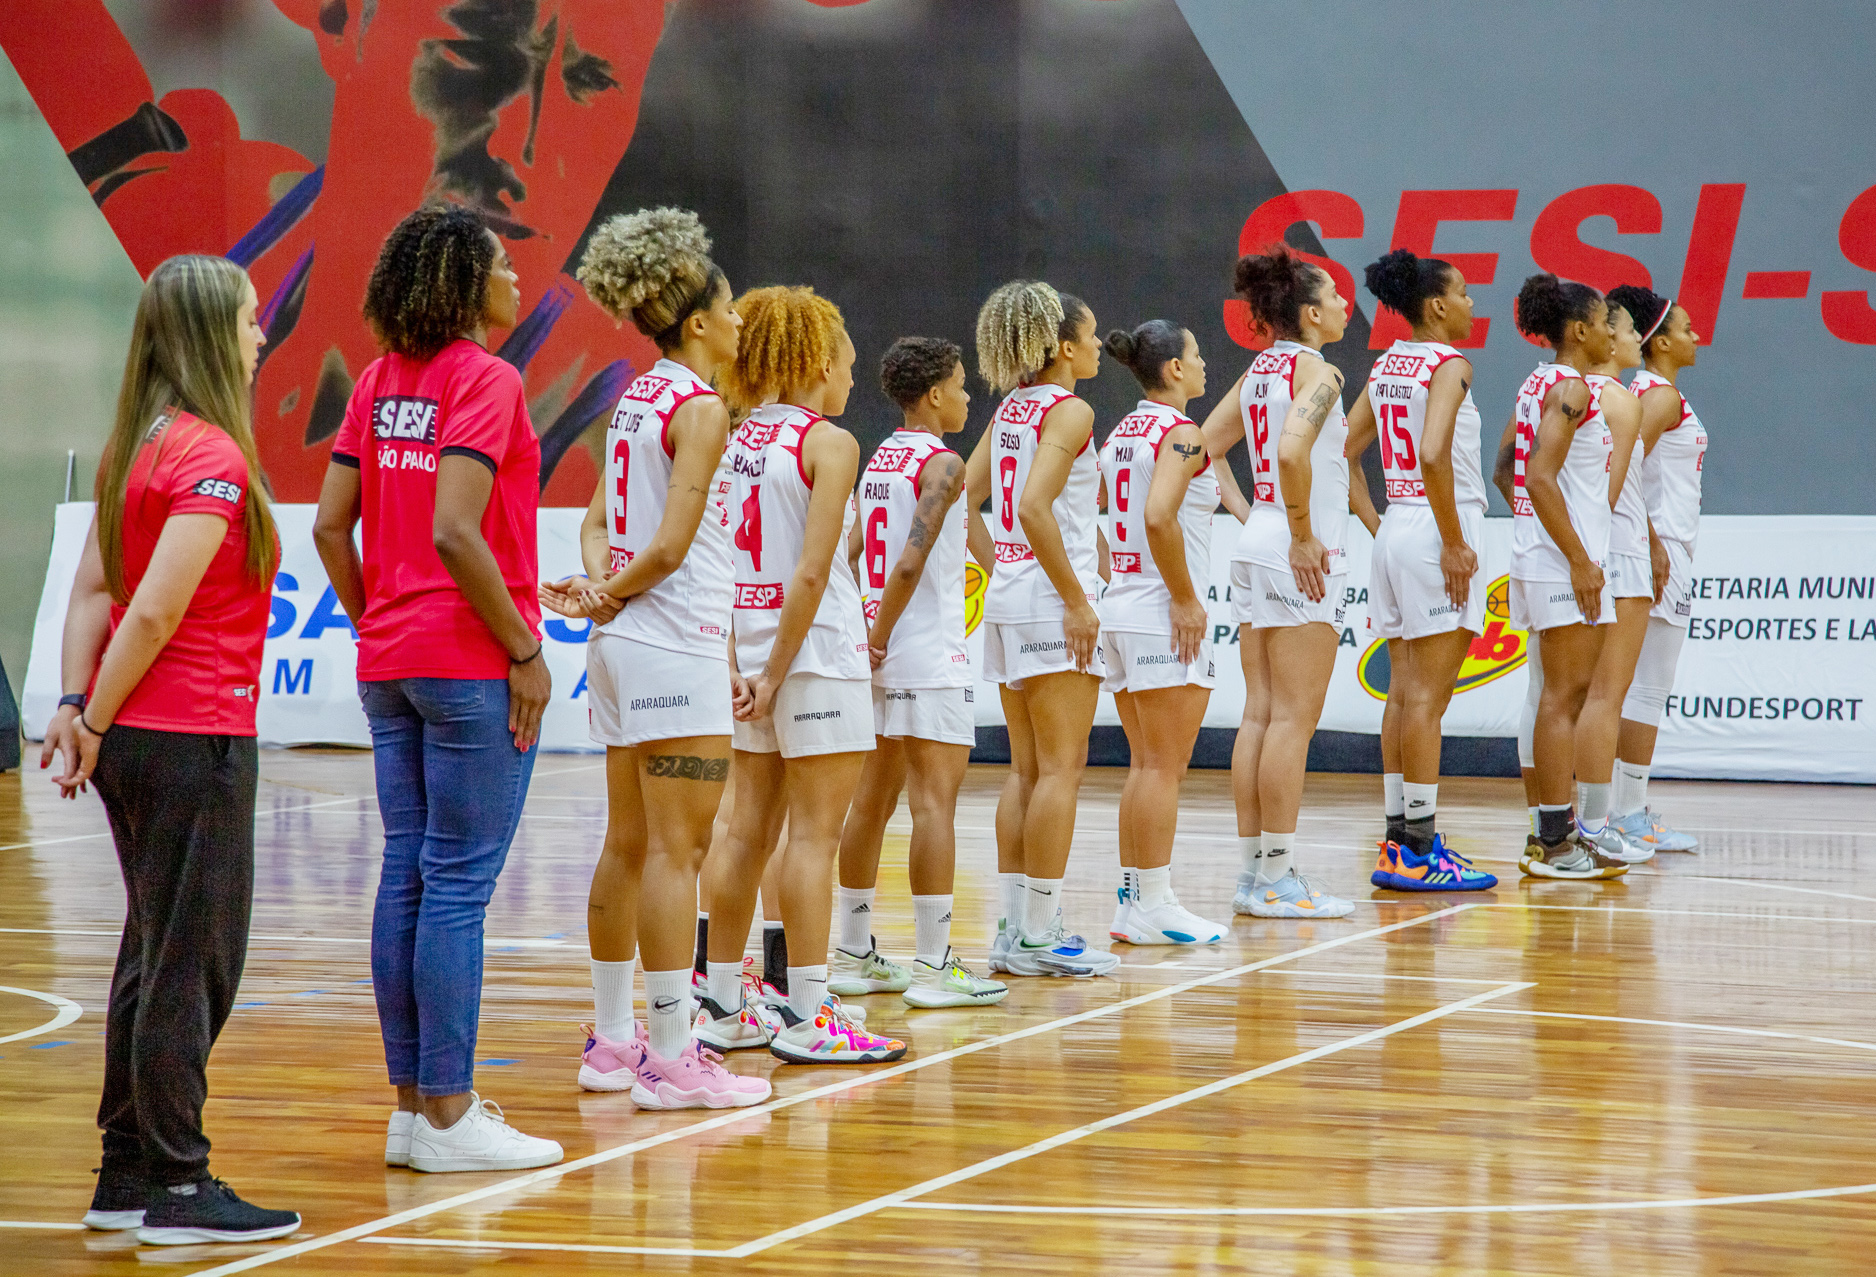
(974, 583)
(1493, 654)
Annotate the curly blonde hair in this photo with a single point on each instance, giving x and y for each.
(652, 267)
(1020, 328)
(788, 334)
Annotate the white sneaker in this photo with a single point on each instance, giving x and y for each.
(397, 1138)
(1000, 949)
(855, 975)
(1167, 922)
(737, 1029)
(1247, 887)
(1666, 838)
(1056, 952)
(1124, 905)
(1610, 841)
(950, 984)
(481, 1140)
(1291, 896)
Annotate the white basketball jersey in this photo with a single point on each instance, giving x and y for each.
(1137, 599)
(1397, 391)
(927, 644)
(1628, 522)
(769, 507)
(1671, 474)
(1019, 589)
(1584, 480)
(688, 611)
(1264, 399)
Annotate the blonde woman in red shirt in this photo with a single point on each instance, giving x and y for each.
(161, 669)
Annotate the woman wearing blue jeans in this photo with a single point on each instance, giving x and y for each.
(439, 461)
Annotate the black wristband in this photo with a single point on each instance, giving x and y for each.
(73, 698)
(528, 660)
(87, 726)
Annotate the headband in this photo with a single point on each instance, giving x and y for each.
(1659, 320)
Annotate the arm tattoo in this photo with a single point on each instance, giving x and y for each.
(687, 767)
(1187, 450)
(1058, 447)
(1317, 410)
(1569, 413)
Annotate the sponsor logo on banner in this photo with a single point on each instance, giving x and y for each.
(1493, 654)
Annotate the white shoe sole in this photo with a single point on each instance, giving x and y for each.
(1539, 869)
(1258, 909)
(934, 999)
(788, 1055)
(449, 1165)
(860, 988)
(671, 1098)
(201, 1236)
(113, 1221)
(397, 1154)
(591, 1079)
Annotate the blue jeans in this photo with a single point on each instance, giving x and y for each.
(450, 789)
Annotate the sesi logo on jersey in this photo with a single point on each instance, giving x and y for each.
(405, 419)
(889, 460)
(1022, 412)
(647, 388)
(220, 489)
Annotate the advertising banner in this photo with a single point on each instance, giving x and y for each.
(1777, 680)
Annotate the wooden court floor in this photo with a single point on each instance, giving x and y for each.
(1671, 1074)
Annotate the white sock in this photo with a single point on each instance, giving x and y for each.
(668, 1012)
(806, 987)
(1130, 884)
(1592, 805)
(1154, 886)
(1251, 853)
(723, 981)
(612, 999)
(1393, 801)
(1010, 891)
(931, 929)
(1277, 856)
(1421, 801)
(856, 920)
(1631, 789)
(1042, 897)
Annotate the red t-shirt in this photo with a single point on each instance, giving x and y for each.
(207, 677)
(403, 417)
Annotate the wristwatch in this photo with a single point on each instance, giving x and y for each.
(73, 698)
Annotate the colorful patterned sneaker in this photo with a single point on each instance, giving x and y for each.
(749, 1025)
(1441, 869)
(606, 1065)
(1667, 839)
(1056, 952)
(832, 1036)
(397, 1137)
(1168, 922)
(696, 1079)
(1294, 896)
(1000, 948)
(209, 1211)
(950, 985)
(1611, 843)
(1570, 858)
(855, 975)
(117, 1203)
(1385, 865)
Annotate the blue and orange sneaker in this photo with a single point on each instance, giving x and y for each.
(1386, 863)
(1440, 869)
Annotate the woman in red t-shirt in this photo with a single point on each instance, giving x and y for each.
(439, 461)
(161, 668)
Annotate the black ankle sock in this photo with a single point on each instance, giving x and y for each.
(775, 958)
(703, 947)
(1397, 828)
(1554, 826)
(1418, 835)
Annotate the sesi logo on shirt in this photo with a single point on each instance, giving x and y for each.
(220, 489)
(405, 418)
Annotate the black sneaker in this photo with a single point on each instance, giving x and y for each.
(209, 1211)
(118, 1201)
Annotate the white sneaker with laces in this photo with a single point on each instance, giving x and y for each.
(736, 1029)
(950, 985)
(1667, 839)
(481, 1140)
(1610, 841)
(1167, 922)
(397, 1138)
(1293, 896)
(855, 975)
(1056, 952)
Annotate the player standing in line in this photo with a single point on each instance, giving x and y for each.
(912, 540)
(803, 699)
(1426, 589)
(657, 554)
(1036, 463)
(1676, 445)
(1635, 557)
(1559, 468)
(1160, 499)
(1288, 569)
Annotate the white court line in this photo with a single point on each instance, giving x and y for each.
(1684, 1024)
(1776, 886)
(1510, 1208)
(580, 1248)
(29, 1223)
(890, 1200)
(531, 1178)
(68, 1011)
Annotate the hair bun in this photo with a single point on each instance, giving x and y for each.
(1395, 280)
(1121, 345)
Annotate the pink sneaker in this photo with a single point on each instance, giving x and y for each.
(606, 1065)
(696, 1079)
